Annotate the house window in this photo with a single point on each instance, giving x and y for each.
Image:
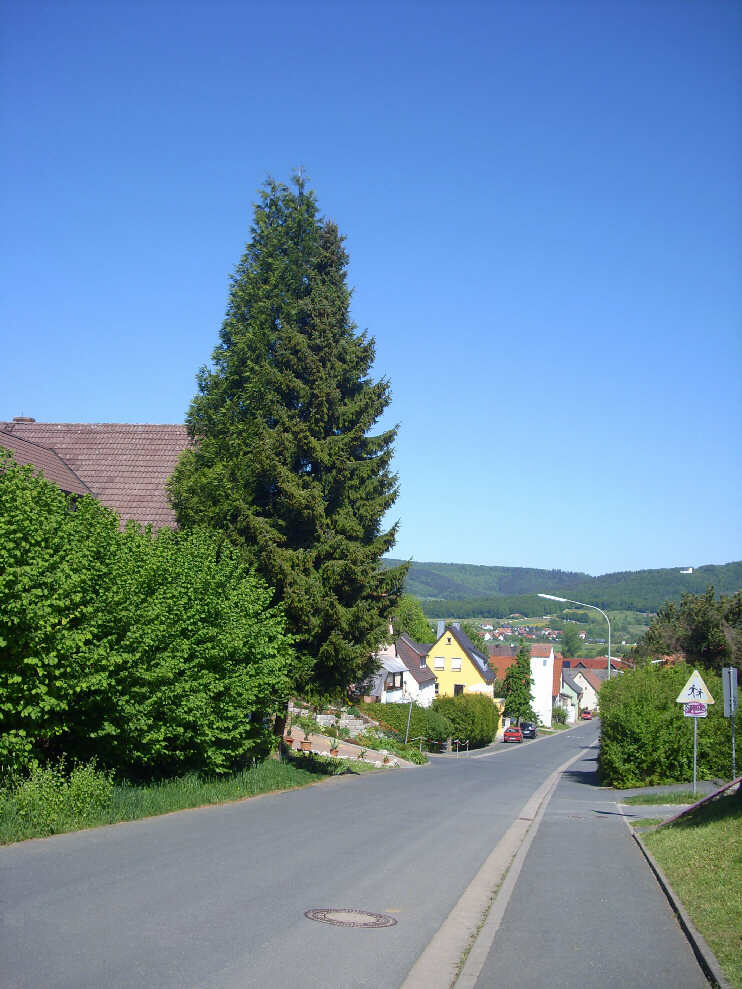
(544, 662)
(458, 689)
(423, 662)
(439, 662)
(456, 663)
(394, 681)
(436, 688)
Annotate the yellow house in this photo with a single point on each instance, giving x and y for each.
(459, 667)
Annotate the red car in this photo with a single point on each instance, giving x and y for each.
(512, 734)
(587, 715)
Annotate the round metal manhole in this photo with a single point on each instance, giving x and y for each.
(346, 917)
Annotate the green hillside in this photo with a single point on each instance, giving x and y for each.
(469, 591)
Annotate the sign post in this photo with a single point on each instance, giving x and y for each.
(695, 698)
(729, 683)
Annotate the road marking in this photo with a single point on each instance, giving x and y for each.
(472, 923)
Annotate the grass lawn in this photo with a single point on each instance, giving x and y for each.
(684, 797)
(646, 822)
(47, 809)
(701, 855)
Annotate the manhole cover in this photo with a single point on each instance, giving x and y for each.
(345, 917)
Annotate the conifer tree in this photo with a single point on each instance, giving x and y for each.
(283, 458)
(518, 686)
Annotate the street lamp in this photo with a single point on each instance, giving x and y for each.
(553, 597)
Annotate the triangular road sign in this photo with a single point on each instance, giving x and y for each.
(695, 690)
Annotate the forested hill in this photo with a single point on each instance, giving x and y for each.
(483, 589)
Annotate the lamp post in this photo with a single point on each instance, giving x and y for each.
(553, 597)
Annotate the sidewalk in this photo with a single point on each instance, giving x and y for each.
(586, 909)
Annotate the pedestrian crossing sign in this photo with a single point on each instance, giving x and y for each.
(695, 690)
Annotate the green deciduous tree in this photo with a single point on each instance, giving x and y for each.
(571, 641)
(154, 653)
(284, 460)
(409, 617)
(518, 686)
(705, 629)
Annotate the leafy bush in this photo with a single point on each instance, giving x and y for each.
(154, 652)
(51, 800)
(559, 715)
(472, 716)
(429, 724)
(646, 740)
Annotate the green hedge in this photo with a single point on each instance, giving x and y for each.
(430, 724)
(644, 738)
(154, 653)
(472, 716)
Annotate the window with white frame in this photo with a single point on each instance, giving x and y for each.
(439, 663)
(456, 663)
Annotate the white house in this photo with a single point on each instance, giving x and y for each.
(589, 682)
(420, 681)
(542, 674)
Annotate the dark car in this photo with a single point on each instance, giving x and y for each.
(512, 734)
(528, 728)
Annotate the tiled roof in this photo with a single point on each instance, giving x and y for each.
(46, 462)
(411, 653)
(498, 649)
(592, 678)
(478, 659)
(125, 465)
(569, 679)
(500, 665)
(541, 650)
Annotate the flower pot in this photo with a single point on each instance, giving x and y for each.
(306, 745)
(334, 751)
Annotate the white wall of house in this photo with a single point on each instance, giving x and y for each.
(589, 696)
(480, 688)
(542, 674)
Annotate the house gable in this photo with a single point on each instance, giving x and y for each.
(458, 666)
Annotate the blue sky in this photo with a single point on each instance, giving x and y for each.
(543, 210)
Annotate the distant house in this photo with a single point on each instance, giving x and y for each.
(590, 683)
(570, 696)
(420, 681)
(542, 674)
(458, 666)
(123, 465)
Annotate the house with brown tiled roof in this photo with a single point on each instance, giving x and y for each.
(421, 682)
(45, 462)
(590, 683)
(123, 465)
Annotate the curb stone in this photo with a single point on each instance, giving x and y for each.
(706, 958)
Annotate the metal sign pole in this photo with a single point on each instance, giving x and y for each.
(734, 753)
(695, 752)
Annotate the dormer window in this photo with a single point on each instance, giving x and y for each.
(423, 662)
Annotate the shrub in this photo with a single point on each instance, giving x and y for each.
(425, 722)
(50, 800)
(559, 715)
(154, 652)
(472, 716)
(646, 740)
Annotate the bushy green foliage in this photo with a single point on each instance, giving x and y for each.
(705, 629)
(559, 715)
(286, 463)
(644, 738)
(154, 653)
(472, 716)
(51, 800)
(409, 617)
(425, 722)
(518, 686)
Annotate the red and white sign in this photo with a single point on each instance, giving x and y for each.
(695, 710)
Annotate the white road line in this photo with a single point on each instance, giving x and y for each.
(437, 966)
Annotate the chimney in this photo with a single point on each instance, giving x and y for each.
(23, 419)
(441, 627)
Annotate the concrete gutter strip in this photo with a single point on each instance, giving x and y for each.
(706, 958)
(438, 965)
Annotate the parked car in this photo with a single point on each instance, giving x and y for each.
(512, 734)
(587, 715)
(528, 729)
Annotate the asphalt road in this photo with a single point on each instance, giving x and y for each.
(216, 897)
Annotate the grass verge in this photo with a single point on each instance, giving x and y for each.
(684, 797)
(646, 822)
(701, 855)
(52, 802)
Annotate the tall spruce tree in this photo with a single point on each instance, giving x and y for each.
(518, 686)
(283, 458)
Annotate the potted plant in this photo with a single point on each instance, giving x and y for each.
(334, 750)
(288, 737)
